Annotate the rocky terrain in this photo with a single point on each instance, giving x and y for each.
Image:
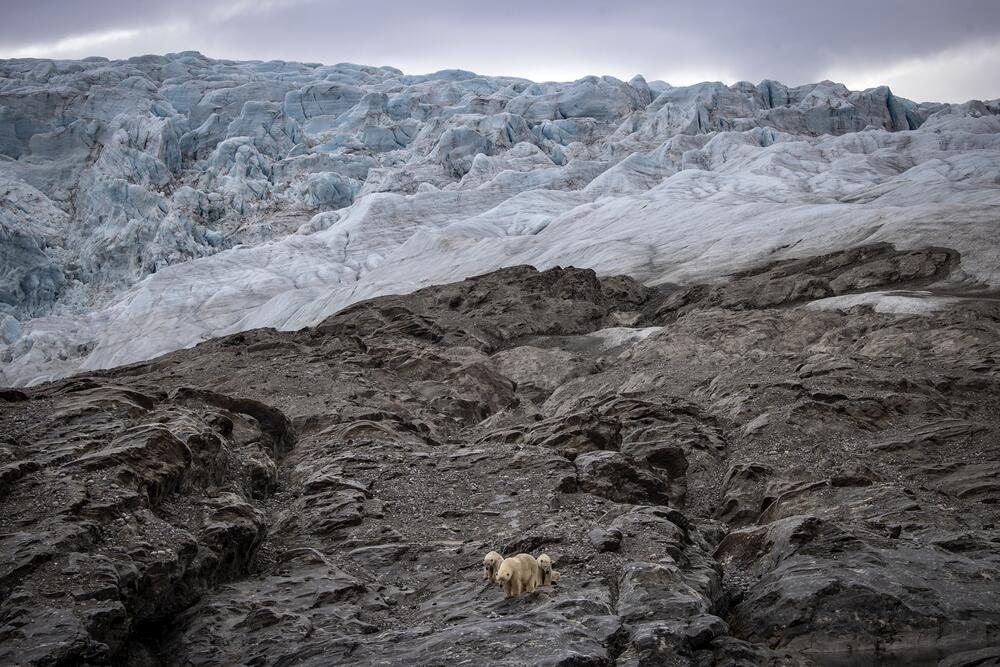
(760, 470)
(152, 203)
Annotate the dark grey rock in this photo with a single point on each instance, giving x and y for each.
(605, 540)
(327, 496)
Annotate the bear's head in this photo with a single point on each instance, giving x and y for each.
(506, 572)
(490, 564)
(545, 563)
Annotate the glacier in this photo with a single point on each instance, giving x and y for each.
(152, 203)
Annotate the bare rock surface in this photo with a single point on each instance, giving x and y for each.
(748, 480)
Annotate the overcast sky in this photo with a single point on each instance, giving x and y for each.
(927, 50)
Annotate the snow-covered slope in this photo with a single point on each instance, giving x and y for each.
(149, 204)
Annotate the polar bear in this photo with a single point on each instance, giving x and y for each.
(519, 574)
(547, 575)
(490, 566)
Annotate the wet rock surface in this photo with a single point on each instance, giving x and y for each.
(730, 477)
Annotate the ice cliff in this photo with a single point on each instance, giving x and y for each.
(149, 204)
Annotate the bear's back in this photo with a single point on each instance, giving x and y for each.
(528, 566)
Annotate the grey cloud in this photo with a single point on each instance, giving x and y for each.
(789, 40)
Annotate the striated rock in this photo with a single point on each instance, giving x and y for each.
(845, 582)
(574, 434)
(122, 524)
(605, 540)
(728, 481)
(616, 477)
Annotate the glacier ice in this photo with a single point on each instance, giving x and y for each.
(151, 203)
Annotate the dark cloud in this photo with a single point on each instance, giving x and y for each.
(790, 40)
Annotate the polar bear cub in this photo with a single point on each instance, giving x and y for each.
(547, 575)
(490, 566)
(519, 574)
